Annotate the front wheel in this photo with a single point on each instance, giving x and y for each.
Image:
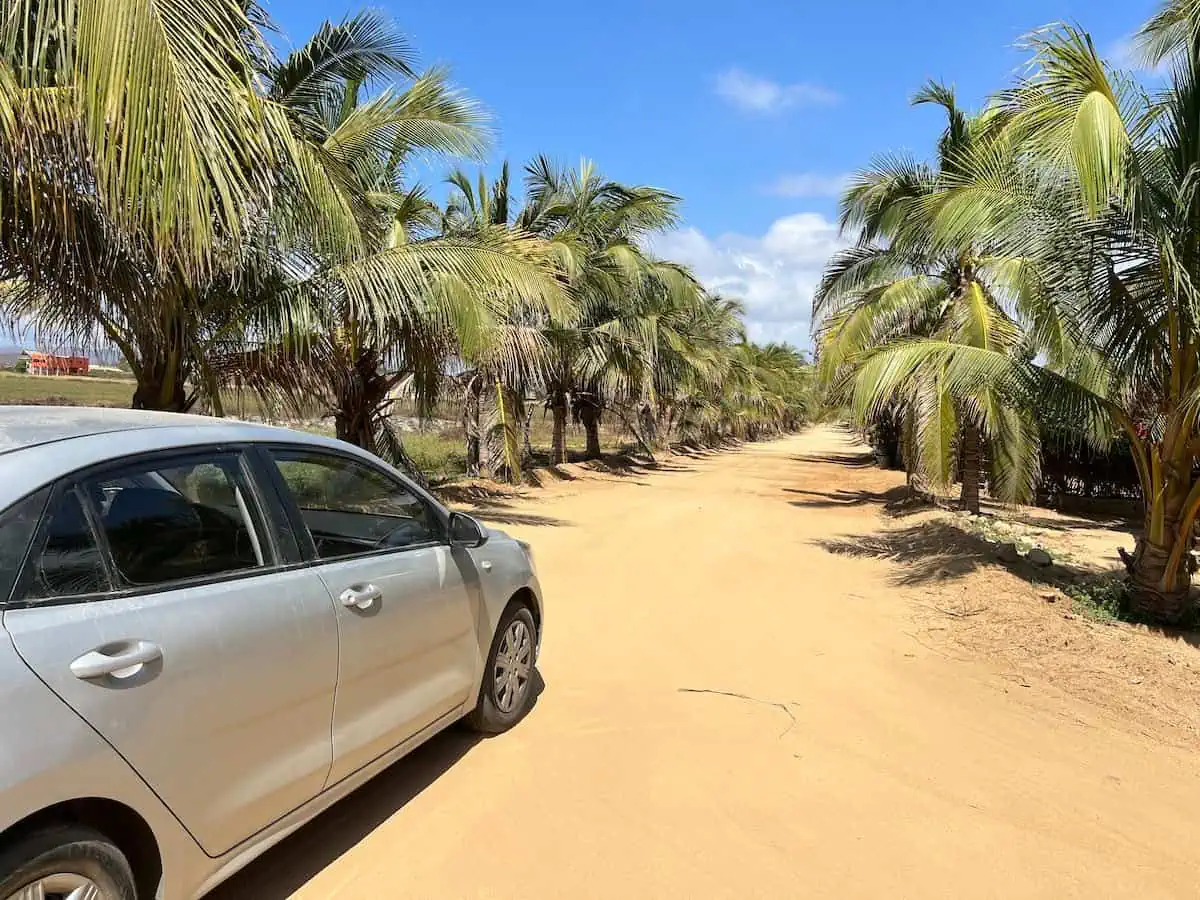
(67, 863)
(507, 688)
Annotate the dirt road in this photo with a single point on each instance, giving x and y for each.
(733, 711)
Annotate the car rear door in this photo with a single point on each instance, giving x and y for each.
(409, 654)
(159, 602)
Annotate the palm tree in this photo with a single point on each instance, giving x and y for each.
(517, 352)
(663, 342)
(594, 226)
(1093, 188)
(164, 148)
(168, 175)
(150, 162)
(349, 326)
(899, 283)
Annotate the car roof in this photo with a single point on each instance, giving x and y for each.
(40, 444)
(22, 427)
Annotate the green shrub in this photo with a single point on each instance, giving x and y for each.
(1102, 601)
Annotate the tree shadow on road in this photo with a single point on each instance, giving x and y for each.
(937, 551)
(846, 460)
(896, 502)
(495, 504)
(295, 861)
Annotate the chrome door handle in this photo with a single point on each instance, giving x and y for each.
(119, 660)
(361, 596)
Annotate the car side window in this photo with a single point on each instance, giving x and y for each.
(17, 527)
(178, 520)
(351, 508)
(67, 561)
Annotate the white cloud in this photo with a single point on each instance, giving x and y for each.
(1123, 54)
(755, 94)
(774, 274)
(809, 184)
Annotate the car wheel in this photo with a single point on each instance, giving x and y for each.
(67, 863)
(507, 688)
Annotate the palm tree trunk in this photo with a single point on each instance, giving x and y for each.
(589, 414)
(1160, 576)
(162, 370)
(558, 442)
(649, 426)
(361, 395)
(971, 468)
(158, 390)
(212, 390)
(527, 427)
(471, 422)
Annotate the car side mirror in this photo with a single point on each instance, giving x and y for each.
(466, 532)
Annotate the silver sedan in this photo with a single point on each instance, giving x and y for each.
(213, 630)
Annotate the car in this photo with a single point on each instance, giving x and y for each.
(213, 630)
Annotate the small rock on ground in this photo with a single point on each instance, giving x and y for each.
(1039, 557)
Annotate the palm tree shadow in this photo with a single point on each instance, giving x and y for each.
(495, 506)
(896, 502)
(846, 460)
(501, 516)
(288, 866)
(938, 551)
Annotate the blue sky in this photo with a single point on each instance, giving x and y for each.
(751, 112)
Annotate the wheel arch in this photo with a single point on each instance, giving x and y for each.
(526, 597)
(117, 822)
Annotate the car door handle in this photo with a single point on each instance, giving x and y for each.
(361, 596)
(122, 660)
(486, 565)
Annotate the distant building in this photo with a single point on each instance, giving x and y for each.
(49, 364)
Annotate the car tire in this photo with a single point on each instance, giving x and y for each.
(496, 709)
(71, 854)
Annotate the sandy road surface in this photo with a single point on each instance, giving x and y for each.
(732, 711)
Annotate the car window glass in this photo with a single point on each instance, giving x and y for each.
(351, 508)
(17, 526)
(67, 562)
(177, 521)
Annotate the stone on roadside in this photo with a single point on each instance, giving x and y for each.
(1039, 557)
(1008, 553)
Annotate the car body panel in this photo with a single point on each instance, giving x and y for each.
(53, 757)
(231, 727)
(406, 660)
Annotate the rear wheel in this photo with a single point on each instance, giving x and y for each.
(67, 863)
(507, 688)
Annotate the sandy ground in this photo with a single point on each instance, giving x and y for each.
(759, 685)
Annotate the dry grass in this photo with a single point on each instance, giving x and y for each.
(16, 388)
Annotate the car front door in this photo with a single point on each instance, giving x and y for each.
(159, 603)
(408, 649)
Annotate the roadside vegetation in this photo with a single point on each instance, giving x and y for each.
(240, 223)
(1040, 275)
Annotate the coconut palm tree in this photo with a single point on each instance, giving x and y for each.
(1093, 188)
(663, 340)
(317, 224)
(898, 282)
(594, 226)
(151, 163)
(165, 148)
(151, 224)
(349, 326)
(499, 375)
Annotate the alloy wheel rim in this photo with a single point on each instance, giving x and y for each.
(61, 886)
(514, 666)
